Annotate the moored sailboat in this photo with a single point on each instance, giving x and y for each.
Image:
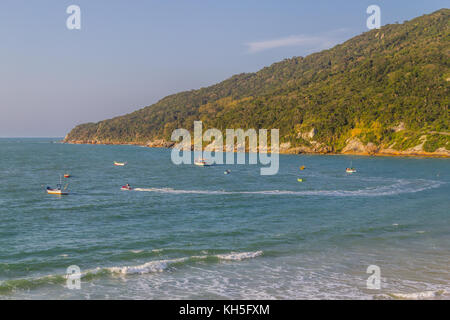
(58, 190)
(202, 162)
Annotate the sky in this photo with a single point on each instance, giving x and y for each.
(130, 54)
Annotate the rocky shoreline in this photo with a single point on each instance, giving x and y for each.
(354, 147)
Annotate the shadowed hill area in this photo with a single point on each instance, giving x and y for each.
(383, 91)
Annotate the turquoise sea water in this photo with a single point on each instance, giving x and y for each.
(193, 232)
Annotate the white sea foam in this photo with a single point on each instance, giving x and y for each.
(400, 187)
(238, 256)
(161, 265)
(413, 296)
(149, 267)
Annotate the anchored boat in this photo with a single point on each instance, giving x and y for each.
(58, 190)
(202, 162)
(350, 169)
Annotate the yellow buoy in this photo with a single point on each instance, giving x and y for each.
(302, 168)
(300, 180)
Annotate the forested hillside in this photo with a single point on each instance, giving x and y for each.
(385, 89)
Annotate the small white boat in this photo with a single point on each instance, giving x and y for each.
(58, 191)
(350, 169)
(202, 162)
(120, 164)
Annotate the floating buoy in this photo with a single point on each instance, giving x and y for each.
(300, 180)
(302, 168)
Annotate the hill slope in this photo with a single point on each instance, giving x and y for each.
(384, 91)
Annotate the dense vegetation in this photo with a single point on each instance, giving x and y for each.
(362, 88)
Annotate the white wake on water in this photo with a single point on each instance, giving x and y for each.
(400, 187)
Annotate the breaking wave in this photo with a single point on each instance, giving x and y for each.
(239, 256)
(155, 266)
(424, 295)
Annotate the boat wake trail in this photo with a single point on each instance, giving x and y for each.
(400, 187)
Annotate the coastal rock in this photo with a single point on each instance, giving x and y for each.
(160, 143)
(354, 145)
(372, 148)
(285, 146)
(307, 135)
(442, 151)
(318, 147)
(419, 147)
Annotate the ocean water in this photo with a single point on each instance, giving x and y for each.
(189, 232)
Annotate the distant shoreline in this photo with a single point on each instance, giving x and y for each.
(294, 151)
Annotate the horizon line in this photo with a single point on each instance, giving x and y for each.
(30, 137)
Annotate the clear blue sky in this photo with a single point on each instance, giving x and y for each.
(130, 54)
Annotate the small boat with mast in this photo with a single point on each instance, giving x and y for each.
(350, 169)
(59, 190)
(202, 162)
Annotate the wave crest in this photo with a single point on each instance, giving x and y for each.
(239, 256)
(413, 296)
(154, 266)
